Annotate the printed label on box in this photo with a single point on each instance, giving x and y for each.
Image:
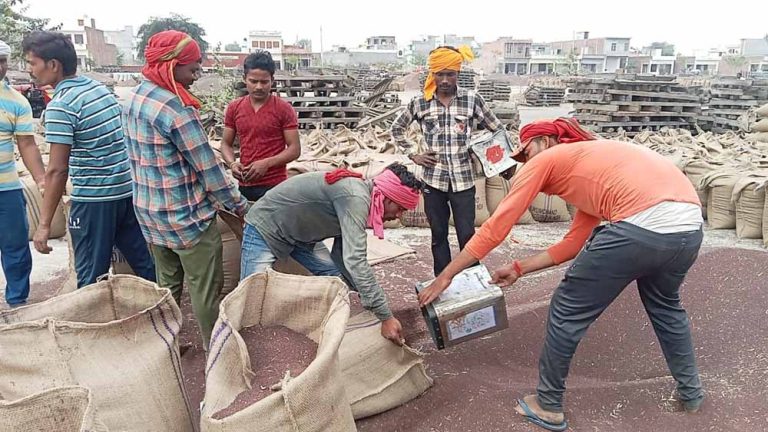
(471, 323)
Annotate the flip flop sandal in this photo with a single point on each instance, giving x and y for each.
(533, 418)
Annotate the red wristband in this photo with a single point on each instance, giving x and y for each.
(518, 269)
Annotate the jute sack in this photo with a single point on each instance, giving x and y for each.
(749, 199)
(549, 208)
(694, 169)
(34, 200)
(496, 188)
(118, 338)
(763, 111)
(416, 217)
(760, 126)
(61, 409)
(231, 248)
(377, 374)
(721, 211)
(481, 203)
(765, 222)
(70, 283)
(759, 137)
(315, 400)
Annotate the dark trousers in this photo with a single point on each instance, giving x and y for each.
(254, 193)
(612, 258)
(436, 207)
(95, 228)
(14, 246)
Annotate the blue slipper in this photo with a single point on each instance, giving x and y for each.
(533, 418)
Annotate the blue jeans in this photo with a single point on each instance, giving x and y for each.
(14, 246)
(256, 256)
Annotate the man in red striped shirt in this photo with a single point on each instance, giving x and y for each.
(653, 236)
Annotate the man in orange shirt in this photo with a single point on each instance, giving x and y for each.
(653, 236)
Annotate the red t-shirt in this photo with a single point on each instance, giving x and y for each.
(261, 133)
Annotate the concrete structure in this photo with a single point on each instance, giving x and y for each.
(652, 61)
(387, 43)
(297, 57)
(517, 56)
(227, 60)
(344, 57)
(419, 49)
(90, 45)
(606, 54)
(270, 41)
(754, 47)
(125, 41)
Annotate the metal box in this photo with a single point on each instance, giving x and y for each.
(469, 308)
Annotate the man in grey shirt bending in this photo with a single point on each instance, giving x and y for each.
(304, 210)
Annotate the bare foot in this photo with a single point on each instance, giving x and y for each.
(547, 416)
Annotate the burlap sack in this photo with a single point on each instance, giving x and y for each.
(70, 283)
(231, 249)
(377, 374)
(118, 338)
(35, 207)
(61, 409)
(749, 199)
(416, 217)
(721, 211)
(758, 136)
(762, 111)
(549, 208)
(496, 188)
(694, 169)
(760, 126)
(765, 222)
(314, 400)
(481, 202)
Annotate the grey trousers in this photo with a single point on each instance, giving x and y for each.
(614, 256)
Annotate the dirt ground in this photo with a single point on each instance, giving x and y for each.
(618, 381)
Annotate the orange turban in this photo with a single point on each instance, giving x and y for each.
(164, 51)
(444, 58)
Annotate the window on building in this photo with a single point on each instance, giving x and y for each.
(80, 22)
(654, 68)
(508, 49)
(613, 47)
(527, 52)
(645, 68)
(764, 68)
(559, 51)
(626, 46)
(255, 44)
(276, 44)
(78, 39)
(520, 50)
(269, 44)
(262, 44)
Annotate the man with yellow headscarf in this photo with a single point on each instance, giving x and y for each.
(447, 115)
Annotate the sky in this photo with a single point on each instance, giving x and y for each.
(689, 25)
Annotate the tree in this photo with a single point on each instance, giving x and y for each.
(120, 59)
(737, 62)
(14, 24)
(174, 22)
(232, 47)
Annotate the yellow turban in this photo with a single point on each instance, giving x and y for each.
(444, 59)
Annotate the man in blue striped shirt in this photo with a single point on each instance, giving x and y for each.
(84, 129)
(16, 130)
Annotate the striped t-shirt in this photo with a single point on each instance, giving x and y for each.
(85, 115)
(15, 120)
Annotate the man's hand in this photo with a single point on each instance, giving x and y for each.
(41, 239)
(505, 276)
(428, 159)
(255, 170)
(41, 184)
(393, 330)
(237, 170)
(433, 291)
